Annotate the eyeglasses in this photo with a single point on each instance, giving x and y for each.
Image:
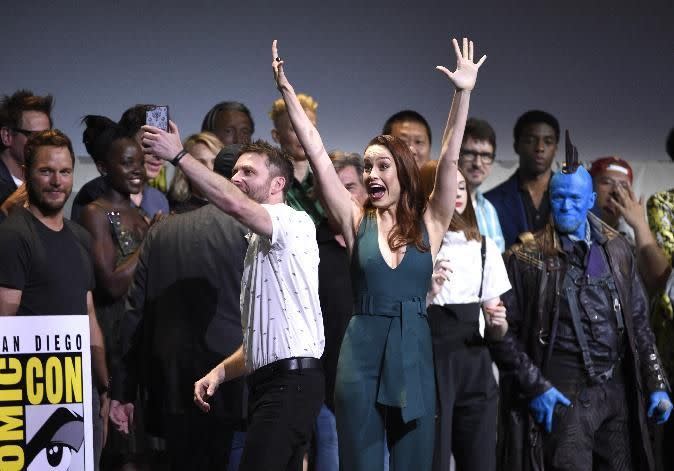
(487, 158)
(25, 132)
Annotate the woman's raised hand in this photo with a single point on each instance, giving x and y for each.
(277, 65)
(465, 75)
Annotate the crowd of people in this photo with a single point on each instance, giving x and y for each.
(279, 307)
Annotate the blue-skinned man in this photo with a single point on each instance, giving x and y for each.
(580, 372)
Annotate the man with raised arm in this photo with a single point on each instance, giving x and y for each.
(280, 312)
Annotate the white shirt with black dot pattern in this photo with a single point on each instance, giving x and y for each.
(280, 310)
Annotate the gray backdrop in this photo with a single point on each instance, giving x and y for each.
(605, 69)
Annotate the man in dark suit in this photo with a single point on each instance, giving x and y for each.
(182, 318)
(523, 202)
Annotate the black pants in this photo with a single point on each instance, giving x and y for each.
(467, 397)
(593, 434)
(282, 410)
(195, 440)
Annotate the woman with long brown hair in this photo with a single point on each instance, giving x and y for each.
(385, 381)
(470, 276)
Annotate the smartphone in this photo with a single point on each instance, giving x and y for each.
(158, 117)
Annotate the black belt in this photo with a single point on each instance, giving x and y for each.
(280, 366)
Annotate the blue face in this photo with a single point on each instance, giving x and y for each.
(571, 197)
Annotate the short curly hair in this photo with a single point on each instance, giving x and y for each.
(278, 108)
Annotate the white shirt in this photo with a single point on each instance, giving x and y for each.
(280, 311)
(17, 181)
(465, 259)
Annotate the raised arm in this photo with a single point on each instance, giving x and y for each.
(337, 198)
(219, 191)
(442, 200)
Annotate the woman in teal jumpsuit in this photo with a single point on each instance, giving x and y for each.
(385, 381)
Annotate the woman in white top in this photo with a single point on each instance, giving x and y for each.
(469, 278)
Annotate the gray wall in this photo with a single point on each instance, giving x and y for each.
(604, 68)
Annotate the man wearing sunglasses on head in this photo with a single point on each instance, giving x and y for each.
(21, 115)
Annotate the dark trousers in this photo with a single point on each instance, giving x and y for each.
(195, 440)
(663, 447)
(593, 434)
(467, 397)
(282, 410)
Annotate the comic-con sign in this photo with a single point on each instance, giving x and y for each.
(45, 393)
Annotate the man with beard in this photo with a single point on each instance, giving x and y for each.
(523, 201)
(579, 357)
(45, 262)
(478, 151)
(231, 121)
(281, 317)
(21, 115)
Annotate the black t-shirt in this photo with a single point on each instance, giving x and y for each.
(537, 218)
(52, 269)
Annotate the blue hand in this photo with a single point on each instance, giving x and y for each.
(543, 406)
(660, 405)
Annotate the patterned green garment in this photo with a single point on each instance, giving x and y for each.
(301, 197)
(660, 209)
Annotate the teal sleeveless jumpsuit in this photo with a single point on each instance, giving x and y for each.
(385, 384)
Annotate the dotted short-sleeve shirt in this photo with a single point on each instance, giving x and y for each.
(280, 309)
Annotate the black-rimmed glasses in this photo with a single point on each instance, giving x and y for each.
(487, 158)
(25, 132)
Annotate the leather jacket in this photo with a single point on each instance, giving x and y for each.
(536, 269)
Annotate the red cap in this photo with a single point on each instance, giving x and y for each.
(615, 164)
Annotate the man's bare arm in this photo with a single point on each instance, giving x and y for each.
(219, 191)
(10, 299)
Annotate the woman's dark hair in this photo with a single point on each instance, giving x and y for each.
(99, 135)
(412, 204)
(466, 222)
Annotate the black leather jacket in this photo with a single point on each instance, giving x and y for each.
(536, 268)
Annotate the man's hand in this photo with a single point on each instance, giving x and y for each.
(496, 320)
(543, 406)
(629, 207)
(104, 413)
(465, 75)
(206, 387)
(659, 406)
(122, 416)
(162, 144)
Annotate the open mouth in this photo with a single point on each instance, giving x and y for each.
(376, 192)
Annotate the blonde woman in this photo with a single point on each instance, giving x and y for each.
(182, 197)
